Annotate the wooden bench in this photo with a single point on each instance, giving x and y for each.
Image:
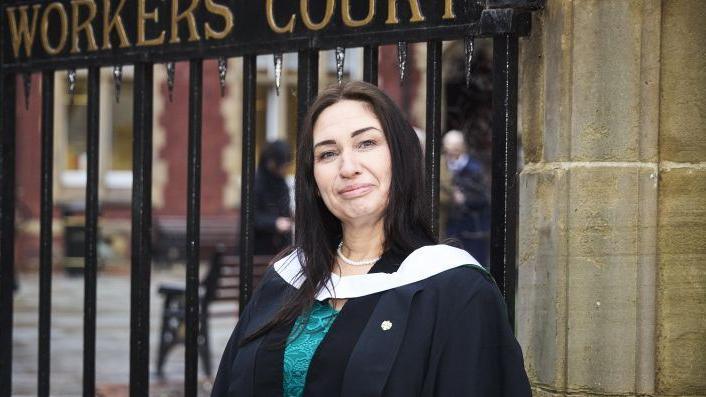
(169, 237)
(220, 284)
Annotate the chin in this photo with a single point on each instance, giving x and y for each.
(363, 216)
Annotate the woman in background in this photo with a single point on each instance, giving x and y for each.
(273, 222)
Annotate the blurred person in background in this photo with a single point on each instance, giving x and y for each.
(273, 218)
(468, 219)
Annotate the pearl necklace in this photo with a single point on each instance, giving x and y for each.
(364, 262)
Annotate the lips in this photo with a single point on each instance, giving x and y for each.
(355, 190)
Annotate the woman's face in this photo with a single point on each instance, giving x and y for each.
(352, 166)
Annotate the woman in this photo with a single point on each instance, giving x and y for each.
(273, 223)
(366, 304)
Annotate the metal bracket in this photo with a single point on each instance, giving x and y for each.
(504, 20)
(529, 5)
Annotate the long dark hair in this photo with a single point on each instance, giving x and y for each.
(318, 231)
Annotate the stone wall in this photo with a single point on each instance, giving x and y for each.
(612, 259)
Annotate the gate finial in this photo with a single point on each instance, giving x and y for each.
(468, 52)
(27, 80)
(171, 71)
(340, 62)
(278, 71)
(71, 77)
(402, 59)
(222, 70)
(117, 80)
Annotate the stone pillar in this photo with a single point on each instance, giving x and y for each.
(612, 259)
(681, 236)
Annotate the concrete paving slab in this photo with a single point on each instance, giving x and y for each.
(112, 339)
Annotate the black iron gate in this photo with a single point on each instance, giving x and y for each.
(44, 36)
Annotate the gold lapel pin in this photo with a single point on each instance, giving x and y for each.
(386, 325)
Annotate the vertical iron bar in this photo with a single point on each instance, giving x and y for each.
(7, 227)
(247, 216)
(504, 202)
(193, 209)
(141, 248)
(45, 233)
(370, 64)
(91, 230)
(307, 84)
(433, 133)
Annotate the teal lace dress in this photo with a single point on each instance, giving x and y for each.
(304, 338)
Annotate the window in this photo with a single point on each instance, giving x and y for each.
(115, 133)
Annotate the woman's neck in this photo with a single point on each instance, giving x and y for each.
(363, 241)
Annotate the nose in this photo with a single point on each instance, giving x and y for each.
(350, 166)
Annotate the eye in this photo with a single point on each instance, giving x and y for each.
(367, 144)
(325, 155)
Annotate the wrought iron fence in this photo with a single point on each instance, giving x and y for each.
(39, 36)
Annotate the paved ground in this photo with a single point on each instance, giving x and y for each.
(112, 340)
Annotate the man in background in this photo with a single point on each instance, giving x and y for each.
(468, 219)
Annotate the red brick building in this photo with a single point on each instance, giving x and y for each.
(221, 150)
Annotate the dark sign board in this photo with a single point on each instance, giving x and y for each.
(61, 33)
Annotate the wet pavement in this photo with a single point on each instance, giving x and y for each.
(112, 337)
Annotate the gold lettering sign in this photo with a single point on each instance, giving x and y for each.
(392, 12)
(448, 10)
(64, 31)
(62, 34)
(224, 12)
(304, 9)
(353, 23)
(288, 28)
(190, 21)
(85, 25)
(22, 34)
(142, 17)
(113, 23)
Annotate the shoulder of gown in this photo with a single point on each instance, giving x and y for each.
(475, 351)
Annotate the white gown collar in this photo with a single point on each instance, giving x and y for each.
(422, 263)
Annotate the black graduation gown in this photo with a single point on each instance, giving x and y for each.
(450, 336)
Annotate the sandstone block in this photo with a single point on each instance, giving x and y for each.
(541, 304)
(531, 88)
(683, 82)
(586, 277)
(606, 61)
(681, 292)
(604, 231)
(556, 99)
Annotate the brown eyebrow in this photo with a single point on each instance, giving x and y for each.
(353, 135)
